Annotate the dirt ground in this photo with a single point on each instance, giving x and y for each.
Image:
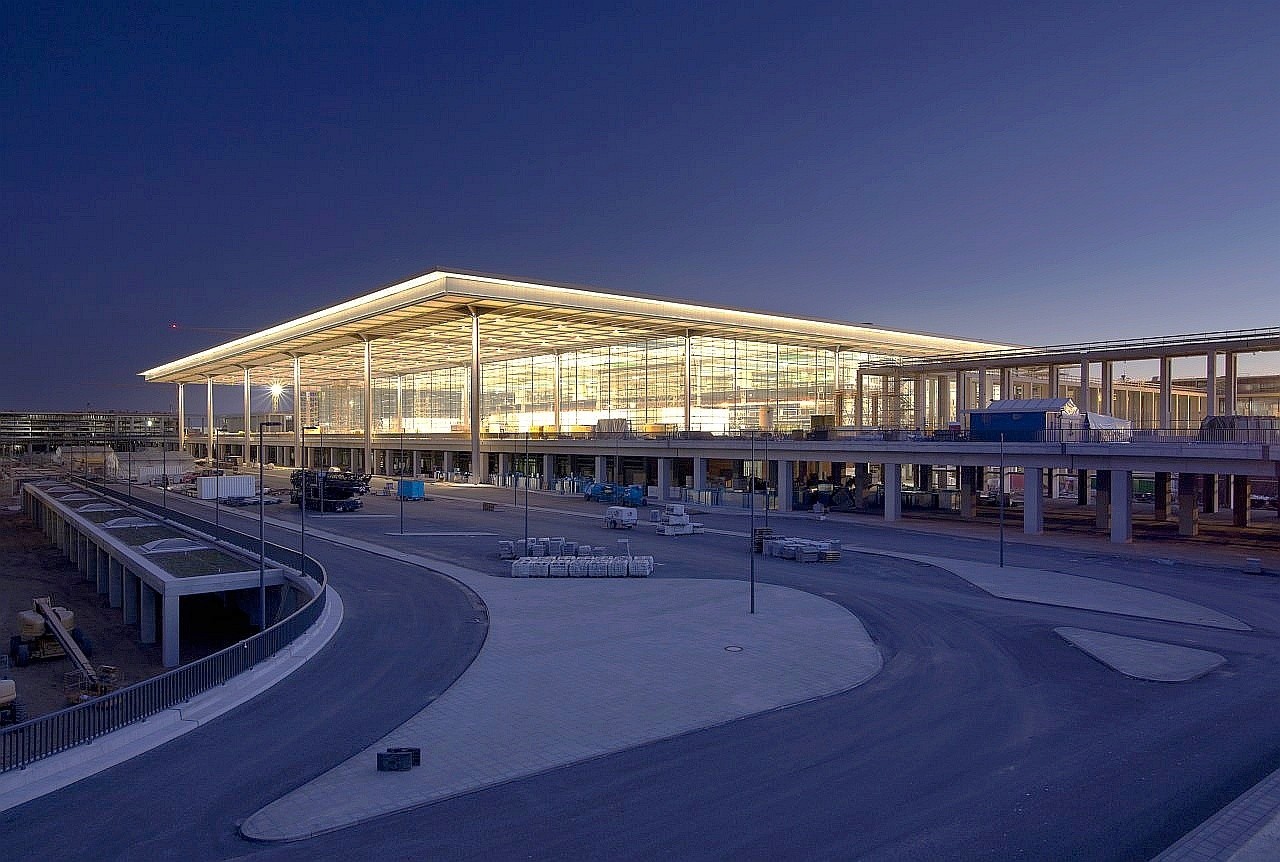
(30, 566)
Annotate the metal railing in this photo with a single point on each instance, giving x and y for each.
(41, 737)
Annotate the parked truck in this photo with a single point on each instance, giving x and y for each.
(327, 490)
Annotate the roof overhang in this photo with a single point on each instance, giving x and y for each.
(425, 322)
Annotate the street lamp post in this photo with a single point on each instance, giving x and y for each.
(164, 470)
(262, 531)
(526, 490)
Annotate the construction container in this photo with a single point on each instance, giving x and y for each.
(411, 489)
(221, 487)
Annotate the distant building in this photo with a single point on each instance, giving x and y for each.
(45, 432)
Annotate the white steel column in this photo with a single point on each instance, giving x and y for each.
(944, 400)
(368, 406)
(688, 380)
(182, 426)
(1086, 399)
(1104, 403)
(299, 456)
(209, 418)
(248, 421)
(1055, 382)
(555, 399)
(918, 386)
(474, 406)
(983, 391)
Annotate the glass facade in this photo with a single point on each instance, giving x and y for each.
(726, 385)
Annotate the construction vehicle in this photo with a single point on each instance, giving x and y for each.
(620, 518)
(327, 490)
(611, 492)
(12, 709)
(43, 633)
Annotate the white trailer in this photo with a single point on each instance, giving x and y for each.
(216, 487)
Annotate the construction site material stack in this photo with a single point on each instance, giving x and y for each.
(327, 491)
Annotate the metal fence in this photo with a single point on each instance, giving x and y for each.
(41, 737)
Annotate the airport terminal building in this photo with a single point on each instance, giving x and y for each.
(466, 374)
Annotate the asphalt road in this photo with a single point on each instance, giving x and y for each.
(985, 736)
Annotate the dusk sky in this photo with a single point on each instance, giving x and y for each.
(1038, 173)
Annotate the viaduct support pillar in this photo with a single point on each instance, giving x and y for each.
(892, 492)
(786, 483)
(968, 492)
(1163, 492)
(664, 479)
(1188, 514)
(1121, 506)
(1102, 499)
(1033, 501)
(1240, 501)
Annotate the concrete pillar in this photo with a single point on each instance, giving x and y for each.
(920, 401)
(548, 472)
(786, 484)
(858, 411)
(1166, 393)
(115, 583)
(968, 492)
(962, 395)
(1102, 499)
(1033, 500)
(504, 466)
(1006, 383)
(944, 401)
(700, 474)
(1106, 401)
(601, 468)
(1188, 513)
(664, 479)
(983, 389)
(1055, 382)
(449, 459)
(102, 578)
(130, 584)
(1163, 491)
(1229, 385)
(892, 492)
(1211, 384)
(1082, 487)
(1085, 399)
(170, 637)
(1240, 514)
(147, 614)
(924, 477)
(861, 479)
(1209, 495)
(1121, 506)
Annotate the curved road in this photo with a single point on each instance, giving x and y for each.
(985, 736)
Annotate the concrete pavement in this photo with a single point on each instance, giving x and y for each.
(547, 689)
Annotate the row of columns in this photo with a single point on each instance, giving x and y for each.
(973, 390)
(113, 578)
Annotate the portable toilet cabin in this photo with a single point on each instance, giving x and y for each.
(1027, 420)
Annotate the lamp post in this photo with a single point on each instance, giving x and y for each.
(164, 474)
(262, 531)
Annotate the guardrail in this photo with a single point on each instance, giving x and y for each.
(41, 737)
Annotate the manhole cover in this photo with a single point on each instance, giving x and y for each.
(732, 648)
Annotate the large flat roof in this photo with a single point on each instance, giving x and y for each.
(425, 322)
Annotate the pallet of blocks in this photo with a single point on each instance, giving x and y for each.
(677, 522)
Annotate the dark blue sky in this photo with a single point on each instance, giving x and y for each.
(1030, 172)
